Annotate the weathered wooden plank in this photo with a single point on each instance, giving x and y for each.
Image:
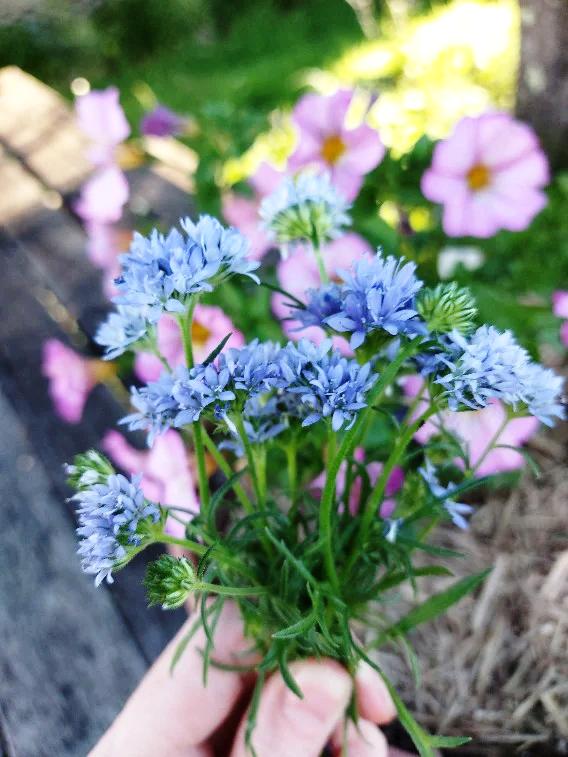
(37, 123)
(26, 319)
(68, 661)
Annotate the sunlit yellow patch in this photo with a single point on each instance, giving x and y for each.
(420, 219)
(332, 149)
(390, 213)
(478, 177)
(199, 333)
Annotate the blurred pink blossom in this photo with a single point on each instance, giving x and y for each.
(162, 122)
(560, 309)
(105, 243)
(103, 196)
(167, 473)
(325, 141)
(210, 326)
(476, 429)
(71, 378)
(242, 212)
(299, 272)
(102, 118)
(394, 484)
(488, 174)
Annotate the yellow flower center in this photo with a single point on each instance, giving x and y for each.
(478, 177)
(199, 333)
(332, 149)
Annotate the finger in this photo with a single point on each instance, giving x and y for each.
(373, 699)
(169, 713)
(361, 740)
(287, 725)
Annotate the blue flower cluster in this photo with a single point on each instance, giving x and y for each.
(377, 295)
(109, 517)
(160, 272)
(271, 384)
(456, 510)
(305, 208)
(490, 364)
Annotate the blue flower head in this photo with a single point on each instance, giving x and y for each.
(160, 272)
(155, 405)
(456, 510)
(377, 295)
(323, 303)
(110, 515)
(200, 389)
(490, 364)
(263, 422)
(120, 331)
(333, 387)
(305, 208)
(254, 368)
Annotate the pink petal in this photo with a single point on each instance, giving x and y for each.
(265, 179)
(101, 118)
(123, 454)
(70, 377)
(504, 141)
(243, 214)
(346, 182)
(307, 153)
(530, 170)
(564, 333)
(147, 367)
(456, 210)
(516, 213)
(560, 303)
(364, 150)
(103, 196)
(439, 187)
(455, 155)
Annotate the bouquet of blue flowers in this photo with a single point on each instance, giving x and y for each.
(312, 568)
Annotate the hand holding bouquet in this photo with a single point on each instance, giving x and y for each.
(312, 568)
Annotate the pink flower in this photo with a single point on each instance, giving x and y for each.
(325, 141)
(488, 175)
(299, 272)
(71, 378)
(105, 243)
(103, 196)
(564, 333)
(560, 303)
(210, 326)
(162, 122)
(394, 484)
(476, 429)
(101, 118)
(242, 212)
(167, 473)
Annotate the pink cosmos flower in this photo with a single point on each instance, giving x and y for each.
(299, 272)
(394, 484)
(162, 122)
(325, 141)
(210, 326)
(71, 378)
(167, 473)
(101, 118)
(242, 212)
(488, 175)
(476, 429)
(103, 196)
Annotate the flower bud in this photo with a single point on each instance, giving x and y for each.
(88, 468)
(446, 308)
(169, 581)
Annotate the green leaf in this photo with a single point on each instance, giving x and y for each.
(449, 741)
(434, 606)
(286, 674)
(291, 297)
(218, 498)
(389, 582)
(218, 349)
(296, 629)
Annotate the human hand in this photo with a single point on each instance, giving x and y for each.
(175, 715)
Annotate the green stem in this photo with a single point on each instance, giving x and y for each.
(491, 443)
(186, 326)
(239, 423)
(191, 546)
(227, 470)
(319, 260)
(346, 450)
(292, 465)
(260, 460)
(377, 494)
(230, 591)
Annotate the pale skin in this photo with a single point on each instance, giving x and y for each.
(175, 715)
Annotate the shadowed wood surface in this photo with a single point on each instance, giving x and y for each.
(69, 654)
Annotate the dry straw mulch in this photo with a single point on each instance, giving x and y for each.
(495, 667)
